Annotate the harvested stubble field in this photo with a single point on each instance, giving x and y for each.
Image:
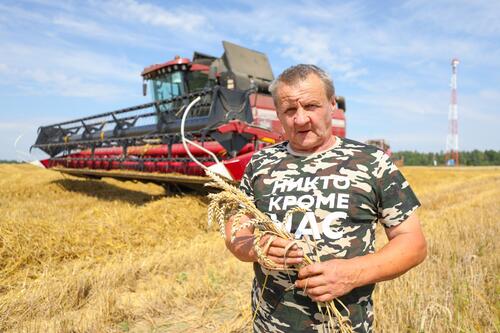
(105, 256)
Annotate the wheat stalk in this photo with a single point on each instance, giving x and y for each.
(231, 201)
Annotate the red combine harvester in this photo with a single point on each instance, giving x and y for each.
(206, 112)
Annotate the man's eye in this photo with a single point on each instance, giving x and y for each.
(311, 107)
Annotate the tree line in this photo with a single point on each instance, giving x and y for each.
(471, 158)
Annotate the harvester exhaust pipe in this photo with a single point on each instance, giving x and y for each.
(218, 167)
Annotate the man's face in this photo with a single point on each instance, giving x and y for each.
(306, 114)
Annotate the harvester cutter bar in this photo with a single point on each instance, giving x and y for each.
(195, 182)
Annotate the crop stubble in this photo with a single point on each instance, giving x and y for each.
(105, 256)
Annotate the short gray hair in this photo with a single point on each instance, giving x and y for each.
(297, 73)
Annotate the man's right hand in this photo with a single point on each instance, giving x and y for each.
(281, 251)
(242, 246)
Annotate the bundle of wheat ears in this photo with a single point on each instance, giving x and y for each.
(232, 202)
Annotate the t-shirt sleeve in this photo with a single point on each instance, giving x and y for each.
(246, 184)
(396, 199)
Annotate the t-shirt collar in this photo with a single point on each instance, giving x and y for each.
(296, 153)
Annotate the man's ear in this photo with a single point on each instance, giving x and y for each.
(333, 102)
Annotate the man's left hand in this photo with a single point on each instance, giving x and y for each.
(327, 280)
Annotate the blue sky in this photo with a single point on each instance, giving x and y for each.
(61, 60)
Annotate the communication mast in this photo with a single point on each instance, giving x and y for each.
(452, 137)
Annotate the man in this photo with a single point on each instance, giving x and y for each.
(346, 187)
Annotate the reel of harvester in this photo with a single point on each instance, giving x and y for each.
(149, 141)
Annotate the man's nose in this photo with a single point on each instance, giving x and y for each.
(301, 117)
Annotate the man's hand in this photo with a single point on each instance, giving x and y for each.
(242, 246)
(336, 277)
(282, 251)
(327, 280)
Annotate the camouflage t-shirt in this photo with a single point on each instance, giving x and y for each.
(345, 190)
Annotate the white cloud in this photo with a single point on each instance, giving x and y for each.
(65, 72)
(478, 18)
(66, 6)
(307, 46)
(304, 45)
(11, 14)
(105, 32)
(151, 14)
(308, 31)
(85, 27)
(43, 82)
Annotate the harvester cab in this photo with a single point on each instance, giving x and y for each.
(175, 78)
(204, 112)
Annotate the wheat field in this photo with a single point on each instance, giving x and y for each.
(107, 256)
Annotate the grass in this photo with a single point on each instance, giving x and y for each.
(107, 256)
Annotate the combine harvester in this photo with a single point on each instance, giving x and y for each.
(206, 112)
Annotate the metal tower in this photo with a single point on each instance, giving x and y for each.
(452, 137)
